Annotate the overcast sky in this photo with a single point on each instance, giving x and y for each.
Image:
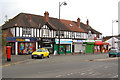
(100, 13)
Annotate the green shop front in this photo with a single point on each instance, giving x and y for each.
(89, 48)
(65, 46)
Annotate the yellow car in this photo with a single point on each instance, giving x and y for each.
(40, 53)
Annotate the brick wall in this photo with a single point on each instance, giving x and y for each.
(6, 33)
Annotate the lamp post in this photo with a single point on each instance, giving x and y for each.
(60, 4)
(112, 29)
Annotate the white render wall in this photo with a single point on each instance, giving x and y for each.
(110, 42)
(12, 30)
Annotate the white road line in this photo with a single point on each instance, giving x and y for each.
(59, 76)
(116, 76)
(82, 73)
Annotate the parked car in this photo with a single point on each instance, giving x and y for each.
(113, 52)
(40, 53)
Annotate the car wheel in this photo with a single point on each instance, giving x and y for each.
(109, 55)
(42, 57)
(48, 56)
(32, 57)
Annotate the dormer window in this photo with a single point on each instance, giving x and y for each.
(70, 25)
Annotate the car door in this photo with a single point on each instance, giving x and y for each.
(46, 52)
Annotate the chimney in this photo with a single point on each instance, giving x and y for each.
(46, 16)
(78, 22)
(87, 23)
(30, 19)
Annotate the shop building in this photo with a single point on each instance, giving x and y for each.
(65, 46)
(20, 46)
(96, 46)
(42, 31)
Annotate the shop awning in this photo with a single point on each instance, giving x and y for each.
(105, 43)
(98, 43)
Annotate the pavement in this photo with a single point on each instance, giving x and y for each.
(15, 59)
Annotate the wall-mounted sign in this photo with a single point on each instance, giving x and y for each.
(20, 39)
(46, 40)
(63, 41)
(79, 41)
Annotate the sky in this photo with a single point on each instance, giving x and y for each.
(100, 13)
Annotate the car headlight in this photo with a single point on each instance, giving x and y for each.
(40, 54)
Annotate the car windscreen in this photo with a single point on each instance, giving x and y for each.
(39, 50)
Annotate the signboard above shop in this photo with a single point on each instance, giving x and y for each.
(20, 39)
(46, 40)
(79, 41)
(63, 41)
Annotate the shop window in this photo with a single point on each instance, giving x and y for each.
(26, 48)
(61, 33)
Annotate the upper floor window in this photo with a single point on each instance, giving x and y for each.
(78, 34)
(26, 31)
(45, 31)
(61, 33)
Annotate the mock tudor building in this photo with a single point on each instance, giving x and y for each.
(28, 32)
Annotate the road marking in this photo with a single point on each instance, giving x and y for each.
(116, 76)
(82, 73)
(59, 75)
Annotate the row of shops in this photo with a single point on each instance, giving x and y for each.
(20, 45)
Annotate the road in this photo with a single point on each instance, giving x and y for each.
(68, 66)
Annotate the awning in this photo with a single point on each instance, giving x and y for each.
(98, 43)
(105, 43)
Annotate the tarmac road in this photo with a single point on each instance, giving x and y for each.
(68, 66)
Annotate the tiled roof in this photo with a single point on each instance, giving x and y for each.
(72, 26)
(37, 21)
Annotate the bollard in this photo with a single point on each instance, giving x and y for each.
(8, 53)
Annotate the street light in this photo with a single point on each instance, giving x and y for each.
(112, 29)
(60, 4)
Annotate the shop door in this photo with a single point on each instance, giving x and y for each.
(62, 50)
(12, 48)
(68, 49)
(89, 48)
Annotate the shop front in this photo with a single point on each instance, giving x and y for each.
(47, 43)
(105, 47)
(78, 46)
(22, 46)
(65, 46)
(89, 48)
(98, 46)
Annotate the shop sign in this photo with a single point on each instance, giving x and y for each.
(63, 41)
(14, 39)
(20, 39)
(89, 40)
(79, 41)
(98, 43)
(46, 40)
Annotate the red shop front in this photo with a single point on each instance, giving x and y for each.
(98, 46)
